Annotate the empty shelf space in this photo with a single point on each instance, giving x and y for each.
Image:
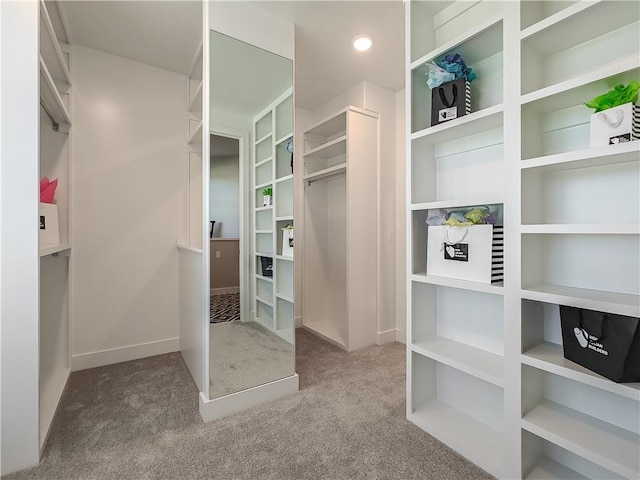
(287, 297)
(586, 158)
(64, 248)
(585, 21)
(330, 149)
(266, 279)
(327, 172)
(582, 229)
(266, 299)
(262, 162)
(262, 139)
(547, 469)
(492, 288)
(469, 437)
(284, 257)
(480, 41)
(550, 358)
(605, 444)
(612, 302)
(51, 97)
(467, 125)
(474, 361)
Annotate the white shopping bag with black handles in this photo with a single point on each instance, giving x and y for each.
(464, 253)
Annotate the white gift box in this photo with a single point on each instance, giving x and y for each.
(287, 242)
(615, 125)
(473, 253)
(49, 234)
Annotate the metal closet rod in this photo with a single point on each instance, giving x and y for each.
(325, 177)
(55, 126)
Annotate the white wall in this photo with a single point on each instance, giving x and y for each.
(224, 196)
(401, 222)
(19, 234)
(128, 149)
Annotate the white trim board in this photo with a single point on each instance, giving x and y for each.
(223, 290)
(100, 358)
(388, 336)
(252, 397)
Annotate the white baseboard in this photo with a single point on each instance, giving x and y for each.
(83, 361)
(252, 397)
(223, 290)
(388, 336)
(401, 336)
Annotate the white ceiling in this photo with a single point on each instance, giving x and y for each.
(166, 34)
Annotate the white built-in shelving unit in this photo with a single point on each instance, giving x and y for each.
(273, 300)
(486, 372)
(55, 163)
(340, 161)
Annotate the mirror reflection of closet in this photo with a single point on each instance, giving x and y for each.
(251, 338)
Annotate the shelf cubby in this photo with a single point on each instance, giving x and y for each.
(284, 278)
(559, 260)
(543, 460)
(569, 414)
(284, 118)
(284, 198)
(325, 132)
(447, 403)
(440, 316)
(284, 162)
(263, 148)
(264, 172)
(51, 51)
(264, 126)
(586, 158)
(543, 349)
(280, 224)
(264, 242)
(264, 313)
(436, 167)
(551, 56)
(606, 195)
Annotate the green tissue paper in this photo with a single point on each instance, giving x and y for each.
(616, 97)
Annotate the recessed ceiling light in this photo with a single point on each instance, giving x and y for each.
(362, 42)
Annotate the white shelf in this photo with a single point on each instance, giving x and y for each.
(612, 302)
(330, 127)
(266, 299)
(584, 20)
(478, 442)
(571, 88)
(591, 157)
(263, 185)
(327, 172)
(262, 209)
(284, 218)
(476, 122)
(487, 41)
(51, 97)
(64, 248)
(262, 162)
(262, 254)
(195, 105)
(491, 288)
(330, 149)
(600, 442)
(285, 138)
(547, 469)
(285, 178)
(457, 203)
(196, 137)
(50, 49)
(265, 231)
(262, 139)
(266, 279)
(550, 358)
(284, 257)
(285, 296)
(474, 361)
(582, 229)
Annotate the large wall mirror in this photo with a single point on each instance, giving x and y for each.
(251, 339)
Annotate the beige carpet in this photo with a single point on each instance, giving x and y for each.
(139, 420)
(246, 354)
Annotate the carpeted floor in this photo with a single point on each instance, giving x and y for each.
(246, 354)
(224, 307)
(139, 420)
